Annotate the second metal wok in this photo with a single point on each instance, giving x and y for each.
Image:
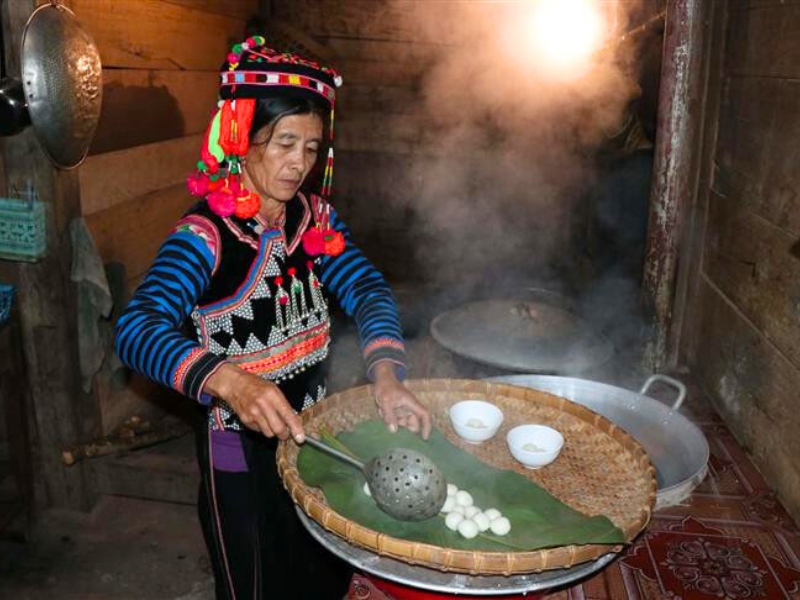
(676, 446)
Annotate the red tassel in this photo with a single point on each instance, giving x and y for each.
(234, 130)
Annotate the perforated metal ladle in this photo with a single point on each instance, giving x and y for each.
(404, 483)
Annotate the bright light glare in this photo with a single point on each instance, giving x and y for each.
(566, 32)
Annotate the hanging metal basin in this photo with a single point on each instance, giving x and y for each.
(676, 446)
(62, 81)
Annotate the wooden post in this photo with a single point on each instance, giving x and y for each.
(61, 414)
(675, 174)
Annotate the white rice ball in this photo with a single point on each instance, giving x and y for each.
(451, 489)
(452, 520)
(500, 526)
(492, 513)
(366, 489)
(464, 498)
(468, 528)
(449, 504)
(482, 521)
(471, 511)
(458, 509)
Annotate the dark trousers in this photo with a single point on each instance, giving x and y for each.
(255, 540)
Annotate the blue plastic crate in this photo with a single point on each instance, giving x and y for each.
(22, 230)
(6, 298)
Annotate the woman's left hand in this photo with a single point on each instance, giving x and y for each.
(396, 404)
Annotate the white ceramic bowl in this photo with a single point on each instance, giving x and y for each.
(534, 445)
(475, 420)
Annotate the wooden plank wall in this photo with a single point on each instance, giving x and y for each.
(746, 303)
(160, 64)
(382, 55)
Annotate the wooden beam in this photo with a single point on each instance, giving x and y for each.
(399, 20)
(241, 9)
(146, 106)
(153, 34)
(675, 172)
(690, 272)
(762, 41)
(751, 262)
(130, 233)
(757, 151)
(62, 414)
(15, 401)
(116, 177)
(754, 387)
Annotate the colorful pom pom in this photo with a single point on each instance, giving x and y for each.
(247, 206)
(222, 202)
(334, 243)
(215, 184)
(313, 241)
(197, 184)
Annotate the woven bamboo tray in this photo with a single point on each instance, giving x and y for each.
(600, 471)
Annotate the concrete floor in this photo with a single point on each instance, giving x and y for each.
(124, 549)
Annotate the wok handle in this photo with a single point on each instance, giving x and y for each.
(334, 452)
(669, 381)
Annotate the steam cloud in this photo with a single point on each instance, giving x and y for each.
(508, 146)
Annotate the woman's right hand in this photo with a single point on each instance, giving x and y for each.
(259, 404)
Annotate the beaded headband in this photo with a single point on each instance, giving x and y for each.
(253, 71)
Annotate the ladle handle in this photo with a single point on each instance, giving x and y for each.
(334, 452)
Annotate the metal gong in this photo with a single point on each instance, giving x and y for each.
(62, 83)
(521, 335)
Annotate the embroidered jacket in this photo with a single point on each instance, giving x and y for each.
(226, 289)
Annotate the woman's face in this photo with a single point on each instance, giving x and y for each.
(276, 168)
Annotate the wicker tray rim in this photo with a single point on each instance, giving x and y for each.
(453, 559)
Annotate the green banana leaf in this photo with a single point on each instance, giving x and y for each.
(538, 519)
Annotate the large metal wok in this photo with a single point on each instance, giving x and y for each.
(676, 446)
(528, 334)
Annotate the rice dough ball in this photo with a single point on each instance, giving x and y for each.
(500, 526)
(492, 514)
(464, 498)
(468, 528)
(471, 511)
(449, 504)
(452, 520)
(482, 521)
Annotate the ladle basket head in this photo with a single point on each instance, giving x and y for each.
(406, 484)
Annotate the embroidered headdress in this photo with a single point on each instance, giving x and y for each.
(253, 71)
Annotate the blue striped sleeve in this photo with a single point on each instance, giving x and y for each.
(364, 295)
(149, 337)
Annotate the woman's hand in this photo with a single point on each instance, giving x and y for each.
(258, 403)
(396, 404)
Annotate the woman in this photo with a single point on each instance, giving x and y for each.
(250, 270)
